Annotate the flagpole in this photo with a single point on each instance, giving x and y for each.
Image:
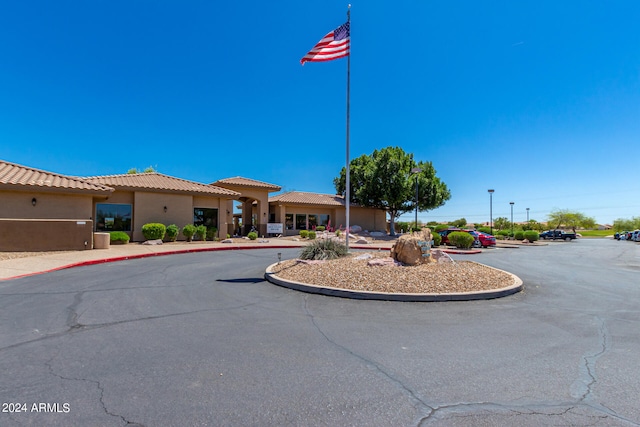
(347, 200)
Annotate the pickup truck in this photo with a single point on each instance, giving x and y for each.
(558, 235)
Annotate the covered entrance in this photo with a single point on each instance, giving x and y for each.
(253, 206)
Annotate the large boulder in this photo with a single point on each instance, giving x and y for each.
(413, 249)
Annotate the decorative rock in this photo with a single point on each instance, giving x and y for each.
(226, 241)
(379, 262)
(408, 249)
(355, 229)
(153, 242)
(362, 241)
(364, 256)
(438, 256)
(377, 234)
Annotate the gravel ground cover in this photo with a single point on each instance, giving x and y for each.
(355, 274)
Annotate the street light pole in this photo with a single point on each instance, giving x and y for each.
(491, 209)
(511, 203)
(416, 171)
(527, 214)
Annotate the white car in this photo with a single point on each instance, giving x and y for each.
(635, 236)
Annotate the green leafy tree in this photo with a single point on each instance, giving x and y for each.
(501, 223)
(625, 224)
(570, 219)
(148, 169)
(384, 180)
(460, 223)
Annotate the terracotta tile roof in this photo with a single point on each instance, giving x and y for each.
(18, 177)
(304, 198)
(158, 182)
(239, 181)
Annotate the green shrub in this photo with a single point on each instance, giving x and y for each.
(201, 232)
(440, 227)
(338, 233)
(531, 236)
(503, 233)
(118, 237)
(189, 230)
(437, 239)
(212, 233)
(324, 249)
(228, 236)
(485, 230)
(320, 228)
(172, 232)
(304, 234)
(519, 235)
(153, 231)
(461, 239)
(312, 235)
(402, 226)
(416, 229)
(252, 235)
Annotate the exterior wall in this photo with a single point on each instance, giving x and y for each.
(282, 210)
(227, 215)
(261, 212)
(214, 203)
(368, 219)
(45, 234)
(50, 205)
(149, 207)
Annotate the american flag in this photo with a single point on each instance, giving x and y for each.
(332, 46)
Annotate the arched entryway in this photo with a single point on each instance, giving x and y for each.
(251, 209)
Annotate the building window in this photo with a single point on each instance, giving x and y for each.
(301, 221)
(288, 221)
(313, 221)
(205, 216)
(113, 217)
(324, 219)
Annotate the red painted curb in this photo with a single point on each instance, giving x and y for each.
(185, 251)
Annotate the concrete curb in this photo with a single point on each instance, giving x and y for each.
(404, 297)
(192, 250)
(145, 255)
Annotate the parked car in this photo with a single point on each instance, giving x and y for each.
(635, 236)
(480, 239)
(445, 233)
(558, 235)
(486, 239)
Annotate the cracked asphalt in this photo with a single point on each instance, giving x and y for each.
(201, 339)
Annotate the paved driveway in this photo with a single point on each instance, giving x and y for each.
(201, 340)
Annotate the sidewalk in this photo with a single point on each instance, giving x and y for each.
(52, 261)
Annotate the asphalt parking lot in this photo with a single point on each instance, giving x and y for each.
(201, 339)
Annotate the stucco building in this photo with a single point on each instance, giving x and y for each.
(43, 210)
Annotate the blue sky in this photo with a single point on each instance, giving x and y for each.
(539, 101)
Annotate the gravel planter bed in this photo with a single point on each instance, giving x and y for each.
(434, 278)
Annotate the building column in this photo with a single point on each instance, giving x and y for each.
(247, 211)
